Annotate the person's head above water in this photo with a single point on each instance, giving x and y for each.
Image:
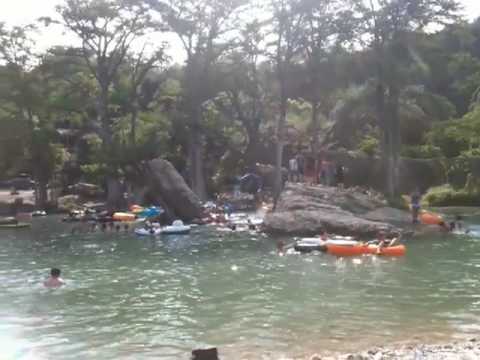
(459, 218)
(55, 273)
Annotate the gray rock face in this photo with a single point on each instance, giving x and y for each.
(389, 215)
(305, 210)
(170, 191)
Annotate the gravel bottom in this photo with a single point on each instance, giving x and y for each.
(469, 350)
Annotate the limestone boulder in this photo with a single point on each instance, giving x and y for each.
(169, 190)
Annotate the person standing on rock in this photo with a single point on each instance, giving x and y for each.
(293, 169)
(300, 166)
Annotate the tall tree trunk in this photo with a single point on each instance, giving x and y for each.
(41, 197)
(196, 160)
(133, 125)
(115, 199)
(315, 144)
(252, 147)
(282, 119)
(395, 138)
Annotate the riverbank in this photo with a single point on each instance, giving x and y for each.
(469, 350)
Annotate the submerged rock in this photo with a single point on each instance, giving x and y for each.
(305, 210)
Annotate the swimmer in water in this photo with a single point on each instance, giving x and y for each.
(117, 228)
(54, 281)
(125, 227)
(281, 248)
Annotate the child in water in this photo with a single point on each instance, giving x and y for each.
(54, 281)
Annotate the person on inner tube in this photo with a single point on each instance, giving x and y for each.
(323, 235)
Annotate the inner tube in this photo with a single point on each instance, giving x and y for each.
(307, 245)
(429, 218)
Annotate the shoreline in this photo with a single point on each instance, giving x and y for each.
(456, 350)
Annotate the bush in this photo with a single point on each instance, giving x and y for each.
(446, 195)
(369, 145)
(422, 152)
(398, 203)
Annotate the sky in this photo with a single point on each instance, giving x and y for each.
(18, 12)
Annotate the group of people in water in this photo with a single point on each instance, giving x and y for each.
(94, 226)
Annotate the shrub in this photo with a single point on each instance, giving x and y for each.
(369, 145)
(446, 195)
(422, 152)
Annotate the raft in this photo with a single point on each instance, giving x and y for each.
(177, 228)
(342, 250)
(119, 216)
(363, 249)
(307, 245)
(398, 250)
(15, 226)
(429, 218)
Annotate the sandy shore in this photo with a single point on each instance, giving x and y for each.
(469, 350)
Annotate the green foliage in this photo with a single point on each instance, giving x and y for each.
(422, 152)
(369, 145)
(446, 195)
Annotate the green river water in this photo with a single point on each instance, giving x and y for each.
(144, 298)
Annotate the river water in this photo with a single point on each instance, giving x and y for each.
(133, 298)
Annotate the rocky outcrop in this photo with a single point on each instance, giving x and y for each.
(86, 190)
(68, 203)
(305, 210)
(389, 215)
(168, 189)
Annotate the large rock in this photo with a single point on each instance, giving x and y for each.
(170, 191)
(305, 210)
(68, 203)
(310, 222)
(86, 190)
(389, 215)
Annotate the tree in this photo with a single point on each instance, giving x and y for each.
(27, 100)
(204, 29)
(107, 30)
(244, 95)
(388, 26)
(287, 27)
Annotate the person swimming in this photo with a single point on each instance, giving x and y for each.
(54, 281)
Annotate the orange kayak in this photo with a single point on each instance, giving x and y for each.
(362, 249)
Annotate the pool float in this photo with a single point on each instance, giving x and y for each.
(362, 249)
(342, 250)
(177, 228)
(397, 250)
(120, 216)
(307, 245)
(429, 218)
(15, 226)
(147, 232)
(136, 209)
